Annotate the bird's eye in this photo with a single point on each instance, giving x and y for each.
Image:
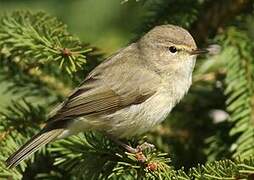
(172, 49)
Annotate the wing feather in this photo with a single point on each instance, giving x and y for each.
(114, 84)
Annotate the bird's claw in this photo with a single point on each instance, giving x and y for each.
(145, 146)
(139, 151)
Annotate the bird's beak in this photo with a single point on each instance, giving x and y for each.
(199, 51)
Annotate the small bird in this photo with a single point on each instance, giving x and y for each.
(127, 94)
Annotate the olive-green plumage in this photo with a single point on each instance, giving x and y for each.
(127, 94)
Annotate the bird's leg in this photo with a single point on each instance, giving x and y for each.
(145, 146)
(130, 149)
(125, 146)
(138, 150)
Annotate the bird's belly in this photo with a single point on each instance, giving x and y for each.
(137, 119)
(130, 121)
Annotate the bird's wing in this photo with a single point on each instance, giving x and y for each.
(105, 92)
(88, 100)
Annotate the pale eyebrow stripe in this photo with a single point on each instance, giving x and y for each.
(178, 46)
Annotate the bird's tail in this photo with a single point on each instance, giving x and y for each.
(32, 145)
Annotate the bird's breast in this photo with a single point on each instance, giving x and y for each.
(139, 118)
(135, 119)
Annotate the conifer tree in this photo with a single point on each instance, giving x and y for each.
(41, 62)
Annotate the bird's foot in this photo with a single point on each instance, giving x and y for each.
(138, 151)
(140, 148)
(145, 146)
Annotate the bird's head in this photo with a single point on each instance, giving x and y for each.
(170, 49)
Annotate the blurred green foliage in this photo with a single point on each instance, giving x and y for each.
(106, 24)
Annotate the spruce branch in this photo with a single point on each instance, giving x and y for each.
(21, 116)
(215, 16)
(92, 156)
(224, 169)
(39, 39)
(30, 81)
(240, 89)
(38, 56)
(38, 49)
(20, 121)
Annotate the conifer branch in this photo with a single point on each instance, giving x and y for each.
(35, 52)
(214, 16)
(20, 121)
(39, 39)
(40, 57)
(240, 89)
